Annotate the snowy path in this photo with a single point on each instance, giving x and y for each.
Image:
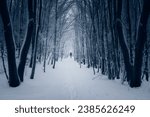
(70, 82)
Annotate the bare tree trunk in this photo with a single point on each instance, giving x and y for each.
(3, 61)
(55, 34)
(139, 47)
(146, 63)
(45, 55)
(134, 72)
(26, 44)
(36, 42)
(125, 52)
(10, 46)
(33, 43)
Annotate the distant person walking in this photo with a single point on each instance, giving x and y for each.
(70, 54)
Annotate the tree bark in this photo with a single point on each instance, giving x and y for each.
(3, 60)
(10, 46)
(134, 72)
(26, 44)
(55, 34)
(36, 41)
(139, 47)
(122, 43)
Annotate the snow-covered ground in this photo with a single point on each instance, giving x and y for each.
(69, 81)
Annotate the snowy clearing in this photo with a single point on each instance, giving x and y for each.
(70, 82)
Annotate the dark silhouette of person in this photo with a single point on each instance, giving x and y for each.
(70, 54)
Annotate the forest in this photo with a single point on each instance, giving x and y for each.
(110, 36)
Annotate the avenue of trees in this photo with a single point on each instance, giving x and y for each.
(32, 30)
(111, 36)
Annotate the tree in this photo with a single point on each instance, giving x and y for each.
(14, 80)
(36, 41)
(134, 72)
(27, 41)
(55, 33)
(139, 47)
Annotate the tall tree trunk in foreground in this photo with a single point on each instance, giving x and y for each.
(26, 44)
(134, 72)
(139, 47)
(122, 43)
(10, 46)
